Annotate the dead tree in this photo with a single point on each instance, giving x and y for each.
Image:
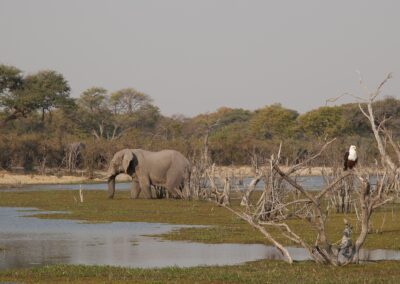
(72, 154)
(342, 198)
(200, 166)
(312, 208)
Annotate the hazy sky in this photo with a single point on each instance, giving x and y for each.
(195, 56)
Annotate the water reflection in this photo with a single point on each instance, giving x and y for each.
(308, 182)
(32, 242)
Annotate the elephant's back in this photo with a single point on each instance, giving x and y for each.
(168, 156)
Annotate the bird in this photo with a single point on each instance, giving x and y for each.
(350, 158)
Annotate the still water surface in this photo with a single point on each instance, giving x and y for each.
(308, 182)
(34, 242)
(30, 241)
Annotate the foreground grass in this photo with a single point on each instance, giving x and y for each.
(254, 272)
(225, 227)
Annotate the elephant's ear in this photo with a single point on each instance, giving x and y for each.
(129, 162)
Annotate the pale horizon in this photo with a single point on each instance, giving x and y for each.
(194, 57)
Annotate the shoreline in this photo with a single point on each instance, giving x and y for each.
(16, 180)
(12, 179)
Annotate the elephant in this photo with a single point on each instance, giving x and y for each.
(167, 169)
(160, 192)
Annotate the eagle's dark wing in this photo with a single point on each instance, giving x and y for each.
(352, 164)
(346, 158)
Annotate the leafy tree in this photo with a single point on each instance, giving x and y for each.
(20, 96)
(273, 120)
(322, 122)
(94, 116)
(10, 79)
(10, 99)
(93, 99)
(48, 90)
(127, 101)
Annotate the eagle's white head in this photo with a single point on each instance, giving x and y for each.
(352, 153)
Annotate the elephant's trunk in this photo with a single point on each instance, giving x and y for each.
(111, 186)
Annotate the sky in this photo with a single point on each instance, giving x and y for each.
(193, 57)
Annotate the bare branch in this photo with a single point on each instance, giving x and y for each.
(361, 82)
(268, 236)
(295, 184)
(326, 189)
(379, 89)
(363, 111)
(332, 100)
(297, 166)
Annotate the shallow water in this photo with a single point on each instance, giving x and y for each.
(29, 241)
(308, 182)
(35, 242)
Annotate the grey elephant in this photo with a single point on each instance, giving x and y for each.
(166, 168)
(160, 192)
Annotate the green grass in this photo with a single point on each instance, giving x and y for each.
(225, 227)
(254, 272)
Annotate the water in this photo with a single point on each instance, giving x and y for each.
(30, 242)
(86, 186)
(309, 182)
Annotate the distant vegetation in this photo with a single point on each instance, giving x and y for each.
(39, 121)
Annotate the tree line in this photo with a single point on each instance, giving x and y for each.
(40, 124)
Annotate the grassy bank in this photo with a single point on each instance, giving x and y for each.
(9, 179)
(254, 272)
(225, 227)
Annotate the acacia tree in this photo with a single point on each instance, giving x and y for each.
(127, 101)
(324, 121)
(273, 120)
(11, 100)
(19, 96)
(48, 89)
(95, 114)
(93, 99)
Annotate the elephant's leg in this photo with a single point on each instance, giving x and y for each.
(173, 190)
(163, 192)
(135, 189)
(145, 186)
(159, 191)
(111, 186)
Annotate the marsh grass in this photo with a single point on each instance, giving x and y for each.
(253, 272)
(223, 227)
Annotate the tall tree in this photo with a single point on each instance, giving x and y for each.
(127, 101)
(20, 95)
(273, 120)
(322, 122)
(93, 99)
(94, 114)
(48, 89)
(10, 99)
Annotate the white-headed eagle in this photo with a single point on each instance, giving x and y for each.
(350, 158)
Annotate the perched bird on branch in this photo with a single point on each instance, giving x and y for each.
(350, 158)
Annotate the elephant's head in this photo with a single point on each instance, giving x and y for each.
(124, 161)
